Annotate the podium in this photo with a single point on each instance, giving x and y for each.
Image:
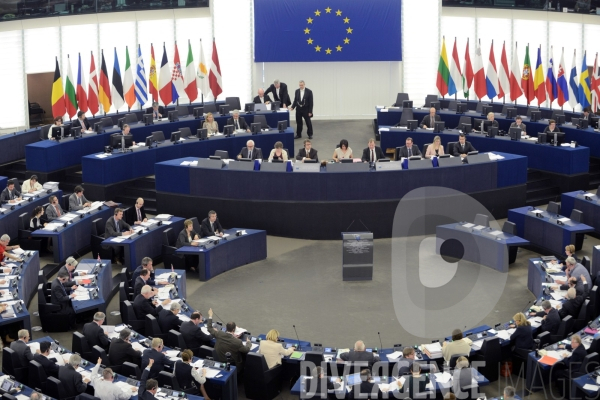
(357, 256)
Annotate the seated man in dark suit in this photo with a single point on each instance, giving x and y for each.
(69, 268)
(228, 342)
(239, 123)
(20, 347)
(82, 122)
(192, 333)
(319, 385)
(77, 200)
(462, 147)
(572, 305)
(142, 305)
(121, 350)
(10, 194)
(50, 366)
(262, 98)
(551, 321)
(250, 151)
(406, 362)
(71, 380)
(307, 152)
(140, 282)
(156, 111)
(148, 387)
(94, 333)
(360, 355)
(211, 226)
(54, 210)
(552, 128)
(160, 359)
(167, 319)
(372, 153)
(565, 370)
(115, 226)
(429, 120)
(136, 215)
(519, 123)
(60, 297)
(146, 264)
(409, 149)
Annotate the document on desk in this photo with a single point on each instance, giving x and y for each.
(163, 216)
(476, 345)
(478, 227)
(564, 220)
(394, 356)
(213, 238)
(468, 225)
(384, 129)
(69, 217)
(2, 210)
(172, 353)
(211, 373)
(119, 239)
(496, 233)
(535, 321)
(239, 331)
(163, 293)
(504, 335)
(184, 318)
(591, 388)
(125, 387)
(137, 346)
(81, 294)
(52, 226)
(33, 346)
(559, 294)
(442, 377)
(201, 241)
(103, 155)
(185, 163)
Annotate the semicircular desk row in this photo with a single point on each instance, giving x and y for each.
(320, 205)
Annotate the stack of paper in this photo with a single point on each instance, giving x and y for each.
(559, 294)
(504, 335)
(442, 377)
(476, 345)
(211, 373)
(394, 356)
(137, 346)
(163, 293)
(52, 226)
(82, 294)
(163, 216)
(172, 353)
(184, 318)
(126, 388)
(433, 350)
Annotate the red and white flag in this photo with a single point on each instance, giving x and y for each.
(92, 95)
(595, 86)
(215, 79)
(503, 74)
(479, 78)
(515, 77)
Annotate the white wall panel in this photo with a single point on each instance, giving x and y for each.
(41, 47)
(12, 80)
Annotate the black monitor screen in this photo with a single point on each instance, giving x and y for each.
(224, 109)
(466, 128)
(479, 124)
(98, 127)
(439, 126)
(407, 104)
(255, 127)
(249, 107)
(412, 124)
(461, 108)
(485, 110)
(560, 138)
(148, 119)
(173, 115)
(75, 132)
(202, 133)
(535, 115)
(435, 104)
(175, 136)
(560, 119)
(542, 138)
(228, 130)
(492, 131)
(282, 126)
(57, 132)
(584, 123)
(515, 133)
(511, 112)
(198, 112)
(121, 122)
(275, 105)
(594, 122)
(115, 141)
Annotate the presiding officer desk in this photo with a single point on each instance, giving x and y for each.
(322, 203)
(23, 280)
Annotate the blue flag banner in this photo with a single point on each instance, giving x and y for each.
(327, 30)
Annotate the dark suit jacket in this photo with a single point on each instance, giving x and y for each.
(138, 285)
(193, 335)
(458, 150)
(120, 351)
(366, 390)
(307, 102)
(556, 130)
(160, 360)
(551, 323)
(71, 380)
(95, 335)
(58, 295)
(167, 321)
(576, 358)
(227, 343)
(74, 202)
(571, 307)
(242, 122)
(161, 111)
(360, 356)
(315, 386)
(405, 365)
(5, 196)
(522, 338)
(50, 367)
(131, 215)
(76, 123)
(183, 374)
(283, 97)
(403, 152)
(182, 239)
(142, 393)
(522, 126)
(23, 352)
(137, 273)
(68, 284)
(366, 155)
(143, 307)
(111, 231)
(427, 120)
(414, 385)
(206, 230)
(312, 154)
(256, 153)
(266, 99)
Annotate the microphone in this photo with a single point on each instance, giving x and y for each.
(218, 317)
(381, 344)
(294, 326)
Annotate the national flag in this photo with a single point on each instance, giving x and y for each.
(70, 94)
(467, 72)
(165, 82)
(443, 72)
(81, 95)
(527, 78)
(515, 77)
(128, 87)
(562, 88)
(539, 86)
(202, 75)
(504, 73)
(573, 87)
(595, 89)
(177, 77)
(491, 80)
(191, 88)
(153, 78)
(117, 85)
(58, 95)
(551, 87)
(215, 79)
(104, 88)
(455, 82)
(93, 105)
(479, 75)
(141, 87)
(585, 96)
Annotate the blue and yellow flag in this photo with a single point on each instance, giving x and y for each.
(327, 30)
(585, 95)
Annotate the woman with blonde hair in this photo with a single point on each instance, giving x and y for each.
(273, 350)
(522, 338)
(435, 148)
(210, 124)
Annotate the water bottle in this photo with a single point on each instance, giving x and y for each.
(122, 143)
(558, 6)
(227, 361)
(556, 139)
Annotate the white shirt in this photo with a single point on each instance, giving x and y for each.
(27, 186)
(277, 90)
(301, 94)
(105, 390)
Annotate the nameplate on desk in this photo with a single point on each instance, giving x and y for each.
(468, 227)
(562, 221)
(586, 196)
(536, 213)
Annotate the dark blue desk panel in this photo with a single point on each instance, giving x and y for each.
(26, 288)
(577, 390)
(149, 244)
(16, 144)
(9, 221)
(140, 162)
(590, 208)
(3, 180)
(104, 285)
(557, 159)
(234, 252)
(535, 277)
(180, 284)
(75, 236)
(545, 232)
(595, 268)
(478, 248)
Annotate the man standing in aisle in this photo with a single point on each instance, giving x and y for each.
(303, 101)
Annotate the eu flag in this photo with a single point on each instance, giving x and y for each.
(327, 30)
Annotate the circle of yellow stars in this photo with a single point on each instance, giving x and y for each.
(310, 20)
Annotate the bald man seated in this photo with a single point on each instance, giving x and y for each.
(359, 354)
(136, 215)
(429, 120)
(261, 98)
(250, 151)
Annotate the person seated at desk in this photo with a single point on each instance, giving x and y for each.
(72, 382)
(587, 114)
(570, 252)
(307, 152)
(140, 282)
(142, 305)
(160, 359)
(429, 120)
(262, 98)
(278, 153)
(59, 296)
(228, 342)
(54, 210)
(343, 151)
(36, 221)
(462, 147)
(435, 149)
(20, 347)
(550, 320)
(319, 384)
(359, 354)
(5, 248)
(407, 360)
(571, 306)
(210, 124)
(10, 194)
(77, 200)
(114, 227)
(211, 226)
(186, 374)
(273, 350)
(187, 237)
(366, 388)
(490, 117)
(250, 151)
(146, 264)
(69, 269)
(82, 122)
(462, 377)
(372, 153)
(581, 290)
(136, 215)
(127, 131)
(167, 319)
(148, 387)
(416, 383)
(31, 185)
(457, 345)
(575, 270)
(562, 371)
(58, 121)
(239, 123)
(157, 111)
(50, 367)
(519, 124)
(409, 149)
(522, 337)
(552, 128)
(121, 350)
(193, 336)
(104, 387)
(93, 332)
